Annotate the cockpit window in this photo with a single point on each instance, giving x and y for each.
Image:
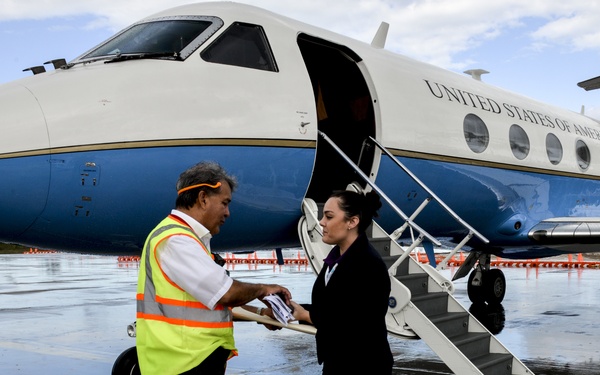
(176, 36)
(242, 45)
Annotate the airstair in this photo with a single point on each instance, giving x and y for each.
(421, 305)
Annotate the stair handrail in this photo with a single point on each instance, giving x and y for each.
(411, 223)
(431, 193)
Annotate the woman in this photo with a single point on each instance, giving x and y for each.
(350, 295)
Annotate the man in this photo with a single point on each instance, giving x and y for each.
(184, 320)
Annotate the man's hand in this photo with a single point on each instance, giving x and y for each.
(241, 293)
(269, 312)
(283, 292)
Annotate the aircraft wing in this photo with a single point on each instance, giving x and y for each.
(590, 84)
(571, 234)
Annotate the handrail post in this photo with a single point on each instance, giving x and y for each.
(398, 232)
(393, 268)
(444, 263)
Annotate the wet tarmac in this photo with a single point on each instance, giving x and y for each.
(67, 314)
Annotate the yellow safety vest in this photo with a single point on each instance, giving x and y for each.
(175, 332)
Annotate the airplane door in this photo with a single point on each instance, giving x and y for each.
(345, 112)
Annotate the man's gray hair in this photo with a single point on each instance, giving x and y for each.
(206, 172)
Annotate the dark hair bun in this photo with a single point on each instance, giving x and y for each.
(372, 204)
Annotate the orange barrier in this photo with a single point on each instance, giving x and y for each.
(530, 263)
(37, 251)
(455, 261)
(253, 258)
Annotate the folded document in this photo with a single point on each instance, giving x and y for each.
(282, 312)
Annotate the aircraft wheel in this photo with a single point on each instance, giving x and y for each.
(127, 363)
(475, 292)
(494, 284)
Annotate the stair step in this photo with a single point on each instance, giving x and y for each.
(417, 283)
(494, 364)
(431, 303)
(472, 344)
(402, 268)
(382, 245)
(451, 324)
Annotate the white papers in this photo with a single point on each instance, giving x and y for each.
(282, 312)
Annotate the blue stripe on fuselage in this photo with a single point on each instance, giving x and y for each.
(491, 200)
(108, 201)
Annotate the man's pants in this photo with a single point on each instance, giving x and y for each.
(214, 364)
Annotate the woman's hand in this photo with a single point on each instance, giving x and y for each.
(300, 313)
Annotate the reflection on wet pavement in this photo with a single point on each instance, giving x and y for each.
(67, 314)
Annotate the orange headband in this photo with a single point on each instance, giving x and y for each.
(199, 185)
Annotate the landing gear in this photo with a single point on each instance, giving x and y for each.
(127, 363)
(486, 286)
(494, 284)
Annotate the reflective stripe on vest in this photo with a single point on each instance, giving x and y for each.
(178, 312)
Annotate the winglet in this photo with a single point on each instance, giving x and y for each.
(381, 36)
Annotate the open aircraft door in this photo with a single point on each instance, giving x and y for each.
(347, 113)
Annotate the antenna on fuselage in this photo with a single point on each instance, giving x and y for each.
(380, 36)
(36, 69)
(476, 73)
(57, 63)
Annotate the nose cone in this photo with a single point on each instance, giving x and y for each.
(24, 161)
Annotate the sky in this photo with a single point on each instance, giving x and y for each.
(538, 48)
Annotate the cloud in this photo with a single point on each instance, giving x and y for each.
(435, 31)
(576, 31)
(111, 14)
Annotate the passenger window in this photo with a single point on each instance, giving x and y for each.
(476, 133)
(519, 142)
(583, 155)
(242, 45)
(554, 149)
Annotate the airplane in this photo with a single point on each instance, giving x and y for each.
(91, 149)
